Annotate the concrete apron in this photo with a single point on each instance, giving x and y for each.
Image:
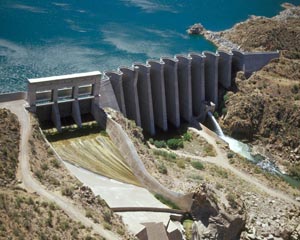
(118, 194)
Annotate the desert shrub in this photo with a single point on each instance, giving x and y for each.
(197, 165)
(175, 143)
(180, 163)
(67, 191)
(55, 163)
(226, 97)
(107, 226)
(231, 200)
(295, 89)
(89, 214)
(162, 168)
(230, 155)
(166, 201)
(224, 111)
(107, 215)
(216, 115)
(44, 166)
(160, 144)
(39, 174)
(187, 136)
(166, 155)
(151, 141)
(209, 150)
(295, 171)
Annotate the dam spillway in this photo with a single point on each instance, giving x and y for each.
(95, 153)
(161, 92)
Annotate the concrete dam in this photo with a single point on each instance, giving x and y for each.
(154, 94)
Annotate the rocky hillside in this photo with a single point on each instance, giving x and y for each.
(260, 33)
(9, 146)
(25, 215)
(265, 109)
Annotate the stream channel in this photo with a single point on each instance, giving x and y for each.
(245, 151)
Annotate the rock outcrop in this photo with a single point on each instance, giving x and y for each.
(223, 221)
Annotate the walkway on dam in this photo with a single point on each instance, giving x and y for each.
(131, 202)
(32, 185)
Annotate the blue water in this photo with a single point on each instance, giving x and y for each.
(46, 38)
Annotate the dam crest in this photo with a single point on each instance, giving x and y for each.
(154, 94)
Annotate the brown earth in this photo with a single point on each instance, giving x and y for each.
(265, 109)
(281, 32)
(226, 195)
(9, 146)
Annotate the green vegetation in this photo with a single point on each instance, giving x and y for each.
(175, 143)
(187, 137)
(162, 168)
(187, 225)
(180, 163)
(197, 165)
(166, 201)
(295, 171)
(166, 155)
(160, 144)
(209, 150)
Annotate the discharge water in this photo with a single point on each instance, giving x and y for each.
(245, 151)
(47, 38)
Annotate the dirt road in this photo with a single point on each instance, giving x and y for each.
(28, 182)
(222, 161)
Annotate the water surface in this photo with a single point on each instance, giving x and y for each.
(46, 38)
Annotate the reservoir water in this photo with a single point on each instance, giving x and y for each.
(52, 37)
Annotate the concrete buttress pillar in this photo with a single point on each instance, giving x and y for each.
(31, 97)
(225, 68)
(185, 87)
(198, 85)
(76, 114)
(131, 94)
(145, 97)
(171, 86)
(158, 93)
(116, 82)
(55, 116)
(107, 95)
(211, 77)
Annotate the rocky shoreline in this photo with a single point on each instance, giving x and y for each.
(223, 40)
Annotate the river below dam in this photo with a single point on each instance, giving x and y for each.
(245, 151)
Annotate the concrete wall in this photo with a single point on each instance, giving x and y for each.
(129, 153)
(107, 95)
(154, 94)
(145, 97)
(130, 76)
(185, 87)
(172, 95)
(250, 62)
(7, 97)
(224, 69)
(158, 93)
(60, 96)
(198, 84)
(211, 77)
(116, 82)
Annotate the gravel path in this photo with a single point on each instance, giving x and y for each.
(222, 161)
